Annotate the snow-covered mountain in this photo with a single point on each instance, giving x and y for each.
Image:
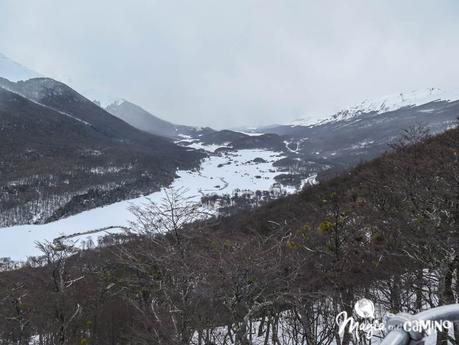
(385, 104)
(364, 131)
(13, 71)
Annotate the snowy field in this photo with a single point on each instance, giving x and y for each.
(218, 174)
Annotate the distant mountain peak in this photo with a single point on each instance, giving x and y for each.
(118, 102)
(14, 71)
(398, 101)
(386, 104)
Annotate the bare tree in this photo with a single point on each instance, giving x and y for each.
(57, 257)
(165, 270)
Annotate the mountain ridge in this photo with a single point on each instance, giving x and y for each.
(63, 154)
(384, 104)
(142, 119)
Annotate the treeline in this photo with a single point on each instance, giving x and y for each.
(42, 198)
(279, 274)
(229, 204)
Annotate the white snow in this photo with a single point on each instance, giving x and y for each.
(412, 98)
(13, 71)
(287, 146)
(251, 134)
(385, 104)
(310, 181)
(184, 136)
(218, 174)
(306, 122)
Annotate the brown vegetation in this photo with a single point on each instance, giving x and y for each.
(387, 230)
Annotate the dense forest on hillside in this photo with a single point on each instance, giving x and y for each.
(60, 154)
(279, 274)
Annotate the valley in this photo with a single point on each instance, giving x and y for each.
(103, 161)
(226, 174)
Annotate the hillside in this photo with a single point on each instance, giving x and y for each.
(142, 119)
(361, 133)
(387, 231)
(61, 154)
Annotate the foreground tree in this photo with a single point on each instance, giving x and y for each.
(58, 258)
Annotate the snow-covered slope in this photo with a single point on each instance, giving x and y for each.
(14, 71)
(228, 173)
(386, 104)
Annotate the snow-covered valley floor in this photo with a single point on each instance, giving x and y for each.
(218, 175)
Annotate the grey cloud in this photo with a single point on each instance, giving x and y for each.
(239, 62)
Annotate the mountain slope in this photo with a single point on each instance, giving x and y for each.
(142, 119)
(61, 154)
(331, 245)
(366, 131)
(390, 103)
(59, 96)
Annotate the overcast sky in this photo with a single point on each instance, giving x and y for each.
(238, 62)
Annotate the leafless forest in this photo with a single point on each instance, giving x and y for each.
(278, 274)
